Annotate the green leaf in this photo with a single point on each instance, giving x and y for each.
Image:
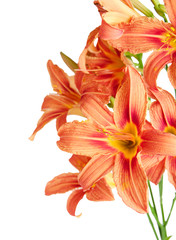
(69, 62)
(168, 237)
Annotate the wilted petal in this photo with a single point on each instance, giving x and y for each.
(131, 182)
(95, 169)
(172, 71)
(171, 168)
(154, 64)
(95, 110)
(78, 161)
(171, 10)
(157, 142)
(83, 138)
(73, 201)
(100, 192)
(62, 183)
(131, 101)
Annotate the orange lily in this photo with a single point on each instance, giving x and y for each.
(116, 142)
(162, 114)
(142, 34)
(65, 101)
(102, 66)
(65, 182)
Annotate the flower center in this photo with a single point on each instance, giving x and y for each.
(170, 129)
(170, 38)
(126, 141)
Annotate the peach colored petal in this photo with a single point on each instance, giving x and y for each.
(155, 172)
(83, 138)
(62, 183)
(73, 201)
(149, 161)
(157, 117)
(154, 64)
(54, 107)
(132, 184)
(131, 101)
(59, 78)
(93, 108)
(78, 161)
(109, 32)
(172, 71)
(171, 10)
(157, 142)
(128, 3)
(118, 6)
(141, 34)
(171, 168)
(92, 36)
(100, 192)
(168, 105)
(95, 169)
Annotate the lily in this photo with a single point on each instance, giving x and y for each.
(101, 66)
(116, 142)
(162, 115)
(142, 34)
(65, 101)
(101, 191)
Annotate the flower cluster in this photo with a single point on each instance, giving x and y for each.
(116, 145)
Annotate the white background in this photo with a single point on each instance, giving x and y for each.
(31, 33)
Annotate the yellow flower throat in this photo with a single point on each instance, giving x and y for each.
(126, 141)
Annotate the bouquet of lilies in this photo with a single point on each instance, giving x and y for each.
(117, 146)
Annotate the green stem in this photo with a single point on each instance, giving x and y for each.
(164, 232)
(173, 202)
(154, 210)
(151, 223)
(175, 93)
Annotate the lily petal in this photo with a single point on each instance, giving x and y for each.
(154, 64)
(101, 192)
(108, 31)
(131, 101)
(155, 172)
(142, 34)
(156, 116)
(157, 142)
(62, 183)
(171, 168)
(73, 201)
(78, 161)
(83, 138)
(95, 169)
(119, 6)
(172, 72)
(168, 105)
(94, 109)
(59, 78)
(132, 184)
(171, 10)
(54, 107)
